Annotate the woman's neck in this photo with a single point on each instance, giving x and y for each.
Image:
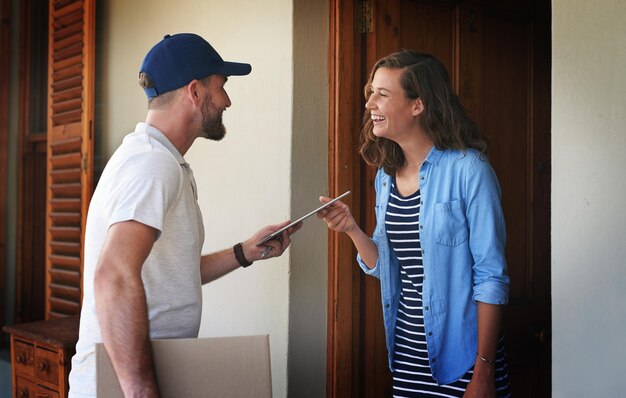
(415, 149)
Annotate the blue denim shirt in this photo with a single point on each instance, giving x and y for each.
(462, 235)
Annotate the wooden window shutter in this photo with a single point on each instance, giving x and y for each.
(70, 150)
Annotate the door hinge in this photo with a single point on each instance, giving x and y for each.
(85, 163)
(364, 20)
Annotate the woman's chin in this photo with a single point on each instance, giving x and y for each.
(379, 131)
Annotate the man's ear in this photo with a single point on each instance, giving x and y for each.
(418, 106)
(192, 92)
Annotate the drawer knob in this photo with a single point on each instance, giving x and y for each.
(20, 358)
(22, 394)
(44, 366)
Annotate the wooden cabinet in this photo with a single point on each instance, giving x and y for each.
(41, 354)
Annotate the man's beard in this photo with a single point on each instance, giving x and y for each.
(212, 124)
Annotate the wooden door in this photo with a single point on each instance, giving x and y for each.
(32, 155)
(498, 56)
(70, 150)
(5, 59)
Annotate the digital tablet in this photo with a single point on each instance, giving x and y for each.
(276, 234)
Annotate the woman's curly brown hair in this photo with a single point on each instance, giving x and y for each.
(443, 119)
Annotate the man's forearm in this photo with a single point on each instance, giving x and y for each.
(216, 265)
(122, 314)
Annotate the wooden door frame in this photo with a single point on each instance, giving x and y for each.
(345, 67)
(29, 279)
(5, 46)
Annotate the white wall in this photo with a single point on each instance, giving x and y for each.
(256, 174)
(588, 198)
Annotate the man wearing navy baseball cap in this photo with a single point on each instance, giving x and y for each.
(143, 267)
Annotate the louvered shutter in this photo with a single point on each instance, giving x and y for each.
(70, 150)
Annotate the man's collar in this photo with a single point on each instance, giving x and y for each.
(162, 139)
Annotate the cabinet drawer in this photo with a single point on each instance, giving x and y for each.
(25, 388)
(43, 392)
(47, 365)
(40, 356)
(24, 359)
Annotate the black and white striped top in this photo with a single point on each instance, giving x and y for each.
(412, 376)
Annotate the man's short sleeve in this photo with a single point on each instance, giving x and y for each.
(148, 184)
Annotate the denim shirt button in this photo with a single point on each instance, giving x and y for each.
(426, 308)
(387, 305)
(430, 333)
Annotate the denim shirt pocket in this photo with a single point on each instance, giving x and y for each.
(450, 223)
(438, 306)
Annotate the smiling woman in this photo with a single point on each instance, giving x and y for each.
(395, 87)
(392, 112)
(438, 244)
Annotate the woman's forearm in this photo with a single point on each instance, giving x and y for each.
(365, 246)
(489, 327)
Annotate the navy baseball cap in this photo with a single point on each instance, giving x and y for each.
(178, 59)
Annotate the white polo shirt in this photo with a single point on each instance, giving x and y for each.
(146, 180)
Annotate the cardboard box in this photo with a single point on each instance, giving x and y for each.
(205, 367)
